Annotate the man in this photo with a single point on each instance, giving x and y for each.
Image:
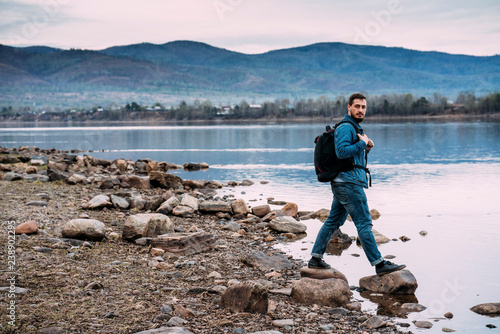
(348, 193)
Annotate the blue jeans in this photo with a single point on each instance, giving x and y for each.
(350, 199)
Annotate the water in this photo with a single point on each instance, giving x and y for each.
(440, 177)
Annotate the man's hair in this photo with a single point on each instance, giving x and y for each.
(356, 96)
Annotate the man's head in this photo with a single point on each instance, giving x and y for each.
(357, 107)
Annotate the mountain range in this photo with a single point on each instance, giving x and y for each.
(189, 70)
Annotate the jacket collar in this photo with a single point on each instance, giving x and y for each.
(349, 118)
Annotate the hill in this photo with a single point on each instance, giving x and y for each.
(189, 70)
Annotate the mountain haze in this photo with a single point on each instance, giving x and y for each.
(190, 70)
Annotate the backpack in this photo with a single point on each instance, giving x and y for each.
(326, 163)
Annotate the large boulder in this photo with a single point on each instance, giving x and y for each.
(400, 282)
(287, 224)
(265, 262)
(146, 225)
(327, 292)
(85, 229)
(245, 297)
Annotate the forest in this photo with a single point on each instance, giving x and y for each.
(394, 105)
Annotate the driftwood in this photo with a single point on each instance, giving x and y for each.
(184, 243)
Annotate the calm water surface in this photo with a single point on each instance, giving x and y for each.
(440, 177)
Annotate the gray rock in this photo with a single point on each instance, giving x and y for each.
(51, 330)
(287, 224)
(17, 290)
(167, 206)
(400, 282)
(86, 229)
(174, 321)
(267, 262)
(374, 323)
(245, 297)
(119, 202)
(486, 308)
(11, 176)
(327, 292)
(99, 202)
(146, 225)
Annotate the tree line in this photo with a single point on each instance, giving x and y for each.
(399, 105)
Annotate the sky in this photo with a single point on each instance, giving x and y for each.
(255, 26)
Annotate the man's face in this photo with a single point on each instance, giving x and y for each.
(357, 110)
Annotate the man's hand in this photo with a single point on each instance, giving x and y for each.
(368, 141)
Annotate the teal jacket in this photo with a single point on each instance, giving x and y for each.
(348, 145)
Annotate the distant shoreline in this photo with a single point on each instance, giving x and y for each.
(153, 121)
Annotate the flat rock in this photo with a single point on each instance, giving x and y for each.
(412, 307)
(37, 203)
(36, 177)
(166, 330)
(321, 273)
(85, 229)
(327, 292)
(29, 227)
(486, 308)
(400, 282)
(146, 225)
(245, 297)
(184, 243)
(214, 206)
(287, 224)
(267, 262)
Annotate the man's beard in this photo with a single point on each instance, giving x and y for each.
(357, 120)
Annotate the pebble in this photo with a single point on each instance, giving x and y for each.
(448, 315)
(423, 324)
(448, 330)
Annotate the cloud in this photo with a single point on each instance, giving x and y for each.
(255, 26)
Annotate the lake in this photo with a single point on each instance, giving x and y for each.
(440, 177)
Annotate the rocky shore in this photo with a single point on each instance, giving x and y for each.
(126, 247)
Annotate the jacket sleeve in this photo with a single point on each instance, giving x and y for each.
(346, 143)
